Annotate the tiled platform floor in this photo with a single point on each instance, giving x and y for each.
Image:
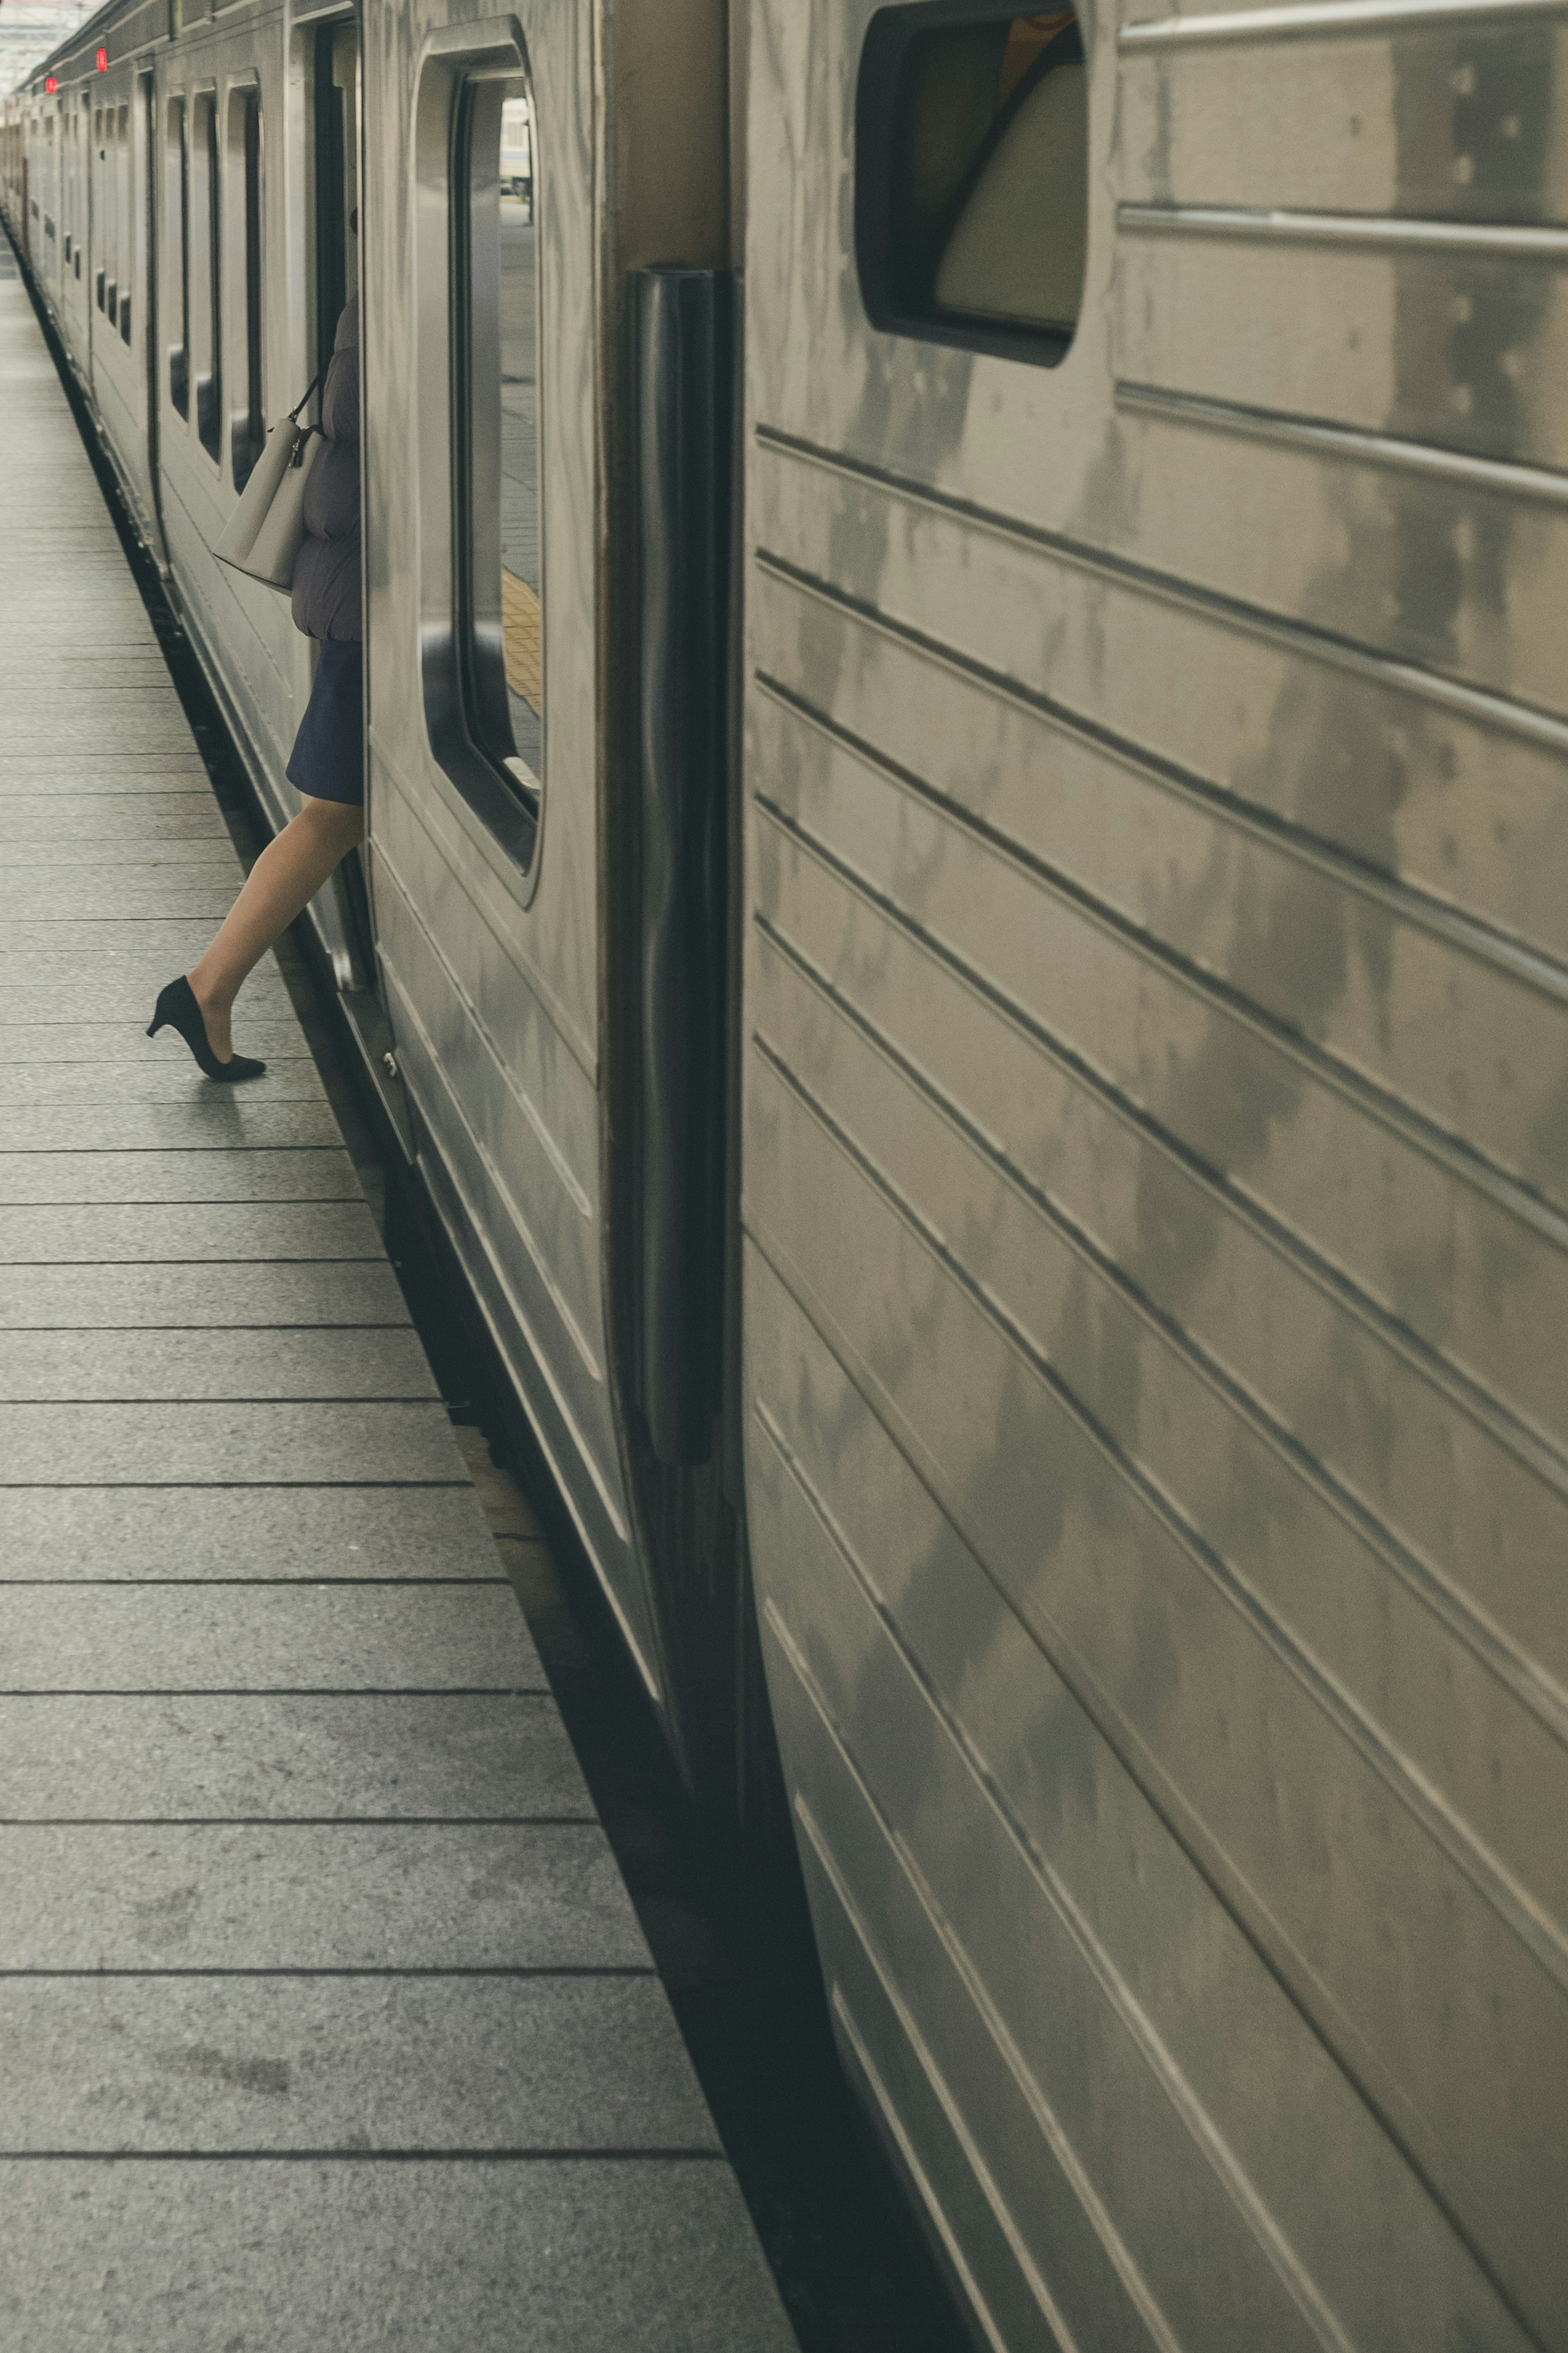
(325, 2019)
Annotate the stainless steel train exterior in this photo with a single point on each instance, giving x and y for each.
(1149, 1022)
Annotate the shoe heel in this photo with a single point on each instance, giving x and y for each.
(165, 1012)
(177, 1010)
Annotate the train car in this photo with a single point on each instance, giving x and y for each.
(963, 919)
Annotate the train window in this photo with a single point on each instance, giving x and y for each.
(110, 159)
(177, 212)
(204, 225)
(109, 182)
(972, 176)
(478, 336)
(124, 219)
(246, 427)
(100, 286)
(500, 628)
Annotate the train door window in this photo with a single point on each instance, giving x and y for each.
(247, 427)
(109, 271)
(208, 270)
(126, 217)
(971, 177)
(114, 243)
(177, 215)
(497, 539)
(99, 211)
(109, 157)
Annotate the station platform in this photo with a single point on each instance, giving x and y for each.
(326, 2022)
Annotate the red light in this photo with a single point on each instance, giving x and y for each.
(103, 62)
(50, 84)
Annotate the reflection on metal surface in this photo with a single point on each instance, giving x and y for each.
(970, 202)
(1483, 241)
(1157, 1182)
(1324, 19)
(1311, 433)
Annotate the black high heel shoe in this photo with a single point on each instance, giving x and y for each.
(177, 1010)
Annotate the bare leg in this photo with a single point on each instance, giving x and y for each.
(279, 886)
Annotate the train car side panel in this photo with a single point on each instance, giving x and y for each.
(1156, 795)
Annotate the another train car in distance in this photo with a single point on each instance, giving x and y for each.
(966, 919)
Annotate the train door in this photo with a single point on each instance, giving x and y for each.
(501, 661)
(484, 623)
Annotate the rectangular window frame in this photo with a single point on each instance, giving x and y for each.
(110, 158)
(79, 125)
(99, 211)
(125, 215)
(177, 213)
(207, 222)
(890, 35)
(243, 210)
(505, 795)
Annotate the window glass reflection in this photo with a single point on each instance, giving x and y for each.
(519, 485)
(972, 186)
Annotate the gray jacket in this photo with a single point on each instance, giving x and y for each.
(326, 571)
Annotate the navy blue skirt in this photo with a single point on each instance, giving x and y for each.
(328, 758)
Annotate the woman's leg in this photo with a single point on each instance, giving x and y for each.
(279, 886)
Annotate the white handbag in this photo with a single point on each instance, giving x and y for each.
(262, 536)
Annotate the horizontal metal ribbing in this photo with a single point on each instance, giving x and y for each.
(1303, 640)
(1477, 240)
(1309, 20)
(1405, 902)
(1457, 469)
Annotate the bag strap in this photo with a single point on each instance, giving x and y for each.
(304, 396)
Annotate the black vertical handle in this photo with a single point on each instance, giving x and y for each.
(682, 326)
